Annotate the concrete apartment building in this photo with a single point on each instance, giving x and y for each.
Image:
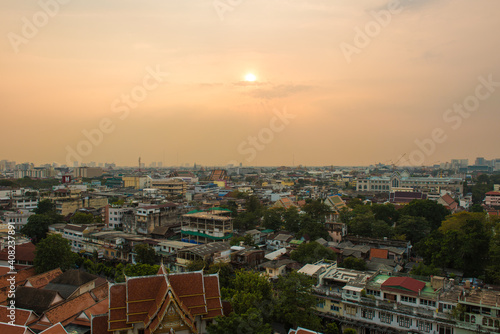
(492, 198)
(136, 182)
(206, 227)
(376, 303)
(144, 219)
(87, 172)
(170, 187)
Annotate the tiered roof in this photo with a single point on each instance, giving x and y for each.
(163, 300)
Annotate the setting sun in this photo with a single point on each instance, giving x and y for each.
(250, 77)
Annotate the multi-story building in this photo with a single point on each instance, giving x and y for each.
(403, 181)
(87, 172)
(136, 182)
(492, 198)
(144, 219)
(170, 187)
(19, 218)
(376, 302)
(114, 217)
(204, 227)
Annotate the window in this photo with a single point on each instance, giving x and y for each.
(424, 326)
(351, 310)
(367, 313)
(334, 308)
(445, 330)
(385, 317)
(373, 292)
(408, 299)
(427, 302)
(404, 321)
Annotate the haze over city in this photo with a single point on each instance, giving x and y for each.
(252, 82)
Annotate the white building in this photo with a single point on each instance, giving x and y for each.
(19, 219)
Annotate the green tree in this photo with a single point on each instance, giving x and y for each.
(350, 331)
(422, 270)
(81, 218)
(432, 211)
(317, 210)
(331, 328)
(312, 252)
(385, 212)
(196, 265)
(53, 252)
(249, 322)
(145, 254)
(493, 268)
(312, 228)
(45, 206)
(273, 218)
(140, 269)
(295, 302)
(353, 263)
(38, 225)
(292, 219)
(414, 228)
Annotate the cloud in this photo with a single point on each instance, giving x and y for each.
(278, 91)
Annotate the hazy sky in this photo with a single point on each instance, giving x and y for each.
(337, 82)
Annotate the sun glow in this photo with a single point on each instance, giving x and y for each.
(250, 77)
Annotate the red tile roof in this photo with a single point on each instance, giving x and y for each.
(22, 316)
(4, 270)
(378, 253)
(41, 280)
(69, 308)
(147, 299)
(56, 329)
(24, 252)
(403, 284)
(99, 324)
(21, 277)
(14, 329)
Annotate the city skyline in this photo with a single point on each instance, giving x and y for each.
(310, 83)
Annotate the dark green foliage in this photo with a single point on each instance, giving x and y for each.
(353, 263)
(38, 225)
(432, 211)
(385, 212)
(312, 252)
(273, 218)
(249, 322)
(145, 254)
(247, 240)
(413, 228)
(45, 206)
(53, 252)
(317, 210)
(140, 269)
(295, 303)
(80, 218)
(292, 219)
(422, 270)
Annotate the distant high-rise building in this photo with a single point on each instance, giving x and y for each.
(480, 161)
(76, 163)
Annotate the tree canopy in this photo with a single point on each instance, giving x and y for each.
(53, 252)
(145, 254)
(312, 252)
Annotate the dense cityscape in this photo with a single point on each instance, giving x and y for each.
(98, 248)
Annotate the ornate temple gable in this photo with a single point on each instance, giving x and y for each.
(172, 318)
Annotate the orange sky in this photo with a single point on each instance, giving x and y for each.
(71, 72)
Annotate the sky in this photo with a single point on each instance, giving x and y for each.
(336, 82)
